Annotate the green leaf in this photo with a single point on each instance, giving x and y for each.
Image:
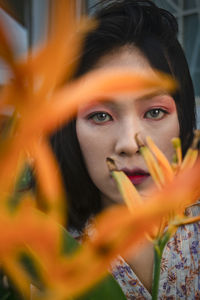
(69, 244)
(29, 264)
(23, 184)
(25, 179)
(106, 289)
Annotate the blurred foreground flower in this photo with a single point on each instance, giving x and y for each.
(40, 102)
(117, 229)
(163, 174)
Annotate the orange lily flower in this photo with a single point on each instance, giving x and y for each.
(28, 231)
(162, 173)
(116, 231)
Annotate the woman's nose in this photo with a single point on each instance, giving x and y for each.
(126, 143)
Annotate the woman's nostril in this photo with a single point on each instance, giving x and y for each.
(122, 153)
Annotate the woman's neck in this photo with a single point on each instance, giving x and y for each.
(141, 261)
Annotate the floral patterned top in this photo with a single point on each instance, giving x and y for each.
(180, 267)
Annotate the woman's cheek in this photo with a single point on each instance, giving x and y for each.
(92, 143)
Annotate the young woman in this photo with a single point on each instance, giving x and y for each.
(137, 34)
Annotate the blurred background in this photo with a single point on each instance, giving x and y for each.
(27, 25)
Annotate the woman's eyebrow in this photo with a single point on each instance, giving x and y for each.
(110, 103)
(152, 95)
(115, 105)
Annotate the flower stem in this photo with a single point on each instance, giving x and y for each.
(159, 246)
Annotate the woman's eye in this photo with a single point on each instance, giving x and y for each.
(100, 117)
(155, 113)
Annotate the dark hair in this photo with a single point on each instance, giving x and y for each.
(154, 32)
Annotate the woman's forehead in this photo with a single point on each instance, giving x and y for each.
(125, 56)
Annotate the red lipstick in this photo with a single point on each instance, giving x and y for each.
(136, 176)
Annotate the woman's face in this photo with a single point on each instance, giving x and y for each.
(108, 129)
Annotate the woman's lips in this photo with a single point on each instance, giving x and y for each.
(136, 176)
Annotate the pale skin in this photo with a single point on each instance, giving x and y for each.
(108, 129)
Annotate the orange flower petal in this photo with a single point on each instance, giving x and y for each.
(189, 159)
(127, 190)
(162, 160)
(17, 275)
(177, 146)
(153, 166)
(64, 31)
(49, 180)
(11, 162)
(186, 221)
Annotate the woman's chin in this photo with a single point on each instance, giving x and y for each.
(145, 190)
(114, 199)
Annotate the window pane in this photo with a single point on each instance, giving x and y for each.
(164, 4)
(190, 23)
(196, 81)
(176, 1)
(18, 8)
(189, 4)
